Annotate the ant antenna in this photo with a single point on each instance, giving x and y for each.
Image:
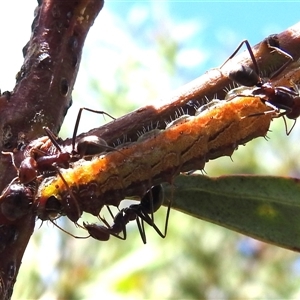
(78, 119)
(53, 138)
(67, 232)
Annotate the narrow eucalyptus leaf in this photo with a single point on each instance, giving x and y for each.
(263, 207)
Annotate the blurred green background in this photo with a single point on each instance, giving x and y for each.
(135, 53)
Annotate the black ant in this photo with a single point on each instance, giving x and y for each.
(276, 97)
(142, 212)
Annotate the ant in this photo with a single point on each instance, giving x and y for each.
(39, 160)
(142, 212)
(276, 97)
(43, 157)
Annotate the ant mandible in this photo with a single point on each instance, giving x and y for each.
(276, 97)
(142, 212)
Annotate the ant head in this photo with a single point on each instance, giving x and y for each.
(245, 76)
(70, 207)
(16, 201)
(51, 208)
(28, 170)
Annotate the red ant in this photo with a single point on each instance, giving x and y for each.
(142, 212)
(40, 160)
(276, 97)
(45, 155)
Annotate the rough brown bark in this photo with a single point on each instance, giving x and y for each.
(41, 97)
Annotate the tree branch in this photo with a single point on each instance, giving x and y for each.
(41, 97)
(212, 84)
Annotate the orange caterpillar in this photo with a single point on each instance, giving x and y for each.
(185, 145)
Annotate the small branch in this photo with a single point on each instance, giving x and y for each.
(212, 84)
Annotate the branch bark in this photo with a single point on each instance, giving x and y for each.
(212, 84)
(41, 97)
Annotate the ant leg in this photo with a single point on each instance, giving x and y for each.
(52, 137)
(12, 159)
(140, 225)
(110, 212)
(275, 109)
(124, 237)
(277, 72)
(246, 42)
(146, 218)
(72, 208)
(280, 51)
(78, 120)
(144, 213)
(17, 170)
(163, 235)
(286, 128)
(167, 219)
(118, 224)
(151, 200)
(69, 233)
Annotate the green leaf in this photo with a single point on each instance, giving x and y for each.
(263, 207)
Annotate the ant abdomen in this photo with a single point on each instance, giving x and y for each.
(97, 232)
(91, 145)
(244, 75)
(295, 113)
(153, 199)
